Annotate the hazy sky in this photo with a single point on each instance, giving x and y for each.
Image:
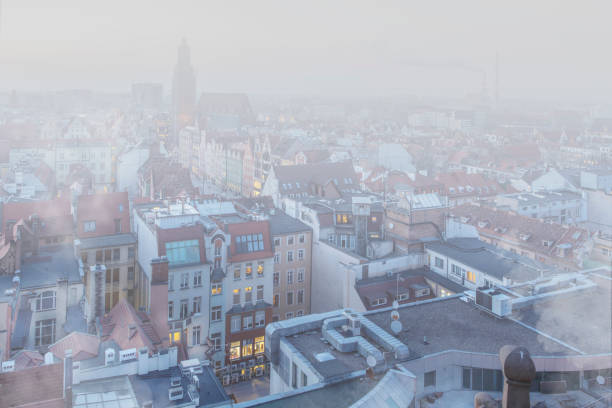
(547, 48)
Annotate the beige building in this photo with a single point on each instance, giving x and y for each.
(118, 254)
(292, 241)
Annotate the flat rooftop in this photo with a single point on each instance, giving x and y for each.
(48, 266)
(582, 319)
(107, 241)
(341, 394)
(452, 324)
(309, 344)
(489, 259)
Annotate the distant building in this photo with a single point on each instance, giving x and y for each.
(183, 89)
(147, 95)
(292, 266)
(564, 207)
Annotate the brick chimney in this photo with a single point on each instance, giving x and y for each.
(159, 297)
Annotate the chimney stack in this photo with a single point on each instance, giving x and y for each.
(68, 378)
(159, 297)
(519, 370)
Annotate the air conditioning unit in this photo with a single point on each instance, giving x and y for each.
(175, 393)
(501, 305)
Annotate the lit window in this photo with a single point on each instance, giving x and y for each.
(249, 271)
(236, 296)
(260, 268)
(374, 219)
(259, 345)
(177, 336)
(248, 294)
(247, 347)
(216, 288)
(234, 350)
(471, 276)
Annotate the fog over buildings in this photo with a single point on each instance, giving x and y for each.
(305, 204)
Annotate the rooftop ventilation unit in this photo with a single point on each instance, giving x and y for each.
(175, 393)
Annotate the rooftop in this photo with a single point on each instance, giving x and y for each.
(281, 223)
(489, 259)
(541, 197)
(451, 324)
(49, 266)
(106, 241)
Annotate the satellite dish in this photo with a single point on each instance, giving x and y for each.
(396, 327)
(371, 360)
(601, 380)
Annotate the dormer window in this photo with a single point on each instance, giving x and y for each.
(378, 301)
(524, 237)
(403, 296)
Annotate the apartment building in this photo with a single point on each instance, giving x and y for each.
(292, 241)
(174, 231)
(562, 206)
(248, 291)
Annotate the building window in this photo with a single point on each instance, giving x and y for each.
(170, 310)
(403, 296)
(237, 273)
(131, 252)
(430, 379)
(289, 256)
(89, 226)
(247, 347)
(44, 332)
(234, 350)
(300, 313)
(249, 243)
(275, 318)
(379, 301)
(277, 242)
(197, 279)
(115, 275)
(215, 338)
(300, 296)
(260, 292)
(235, 323)
(248, 272)
(289, 298)
(290, 240)
(46, 301)
(216, 288)
(276, 278)
(300, 254)
(471, 276)
(289, 315)
(116, 254)
(277, 258)
(248, 294)
(457, 271)
(247, 322)
(300, 275)
(301, 238)
(215, 314)
(259, 345)
(197, 304)
(304, 379)
(421, 292)
(236, 297)
(170, 281)
(260, 268)
(184, 309)
(117, 225)
(290, 277)
(276, 300)
(343, 218)
(439, 262)
(195, 334)
(131, 274)
(260, 318)
(185, 280)
(107, 255)
(99, 257)
(183, 252)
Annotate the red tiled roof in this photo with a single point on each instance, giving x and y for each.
(116, 326)
(83, 346)
(32, 387)
(55, 214)
(103, 209)
(250, 227)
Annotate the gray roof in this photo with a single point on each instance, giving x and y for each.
(107, 241)
(340, 394)
(310, 344)
(281, 224)
(489, 259)
(154, 387)
(451, 324)
(49, 266)
(527, 199)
